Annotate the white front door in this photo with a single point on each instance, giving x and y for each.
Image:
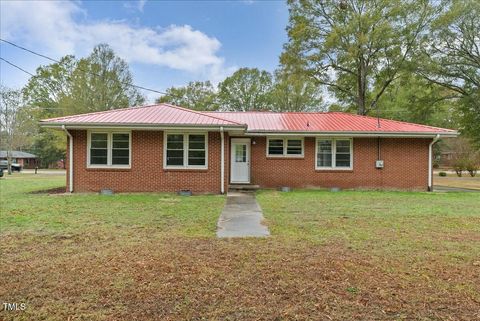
(240, 160)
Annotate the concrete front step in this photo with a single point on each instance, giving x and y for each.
(243, 187)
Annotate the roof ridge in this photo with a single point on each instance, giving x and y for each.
(392, 120)
(99, 112)
(266, 112)
(203, 114)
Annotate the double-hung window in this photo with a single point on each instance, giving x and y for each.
(108, 149)
(334, 153)
(285, 147)
(185, 150)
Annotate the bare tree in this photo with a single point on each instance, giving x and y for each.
(11, 121)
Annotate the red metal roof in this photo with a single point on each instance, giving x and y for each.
(322, 122)
(163, 114)
(169, 115)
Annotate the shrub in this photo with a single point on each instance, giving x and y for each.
(471, 168)
(442, 174)
(459, 166)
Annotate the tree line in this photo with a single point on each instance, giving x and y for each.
(100, 81)
(249, 89)
(411, 60)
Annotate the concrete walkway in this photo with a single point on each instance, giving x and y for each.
(241, 217)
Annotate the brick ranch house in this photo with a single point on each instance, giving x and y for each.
(24, 159)
(165, 148)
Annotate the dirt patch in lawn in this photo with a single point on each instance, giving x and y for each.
(55, 190)
(148, 277)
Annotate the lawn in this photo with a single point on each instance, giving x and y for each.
(452, 180)
(347, 255)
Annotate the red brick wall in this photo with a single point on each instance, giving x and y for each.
(146, 173)
(406, 166)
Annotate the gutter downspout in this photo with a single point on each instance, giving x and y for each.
(70, 159)
(222, 161)
(430, 162)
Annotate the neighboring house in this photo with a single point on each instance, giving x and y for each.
(166, 148)
(451, 150)
(25, 160)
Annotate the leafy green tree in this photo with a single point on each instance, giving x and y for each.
(247, 89)
(453, 60)
(50, 89)
(414, 99)
(49, 146)
(295, 92)
(103, 81)
(196, 95)
(356, 48)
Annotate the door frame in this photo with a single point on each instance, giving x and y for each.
(247, 141)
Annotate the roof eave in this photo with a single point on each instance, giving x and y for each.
(351, 133)
(144, 126)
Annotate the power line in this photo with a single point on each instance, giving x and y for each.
(19, 68)
(27, 72)
(30, 51)
(57, 61)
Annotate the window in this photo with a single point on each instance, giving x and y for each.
(120, 149)
(294, 147)
(196, 150)
(99, 149)
(175, 150)
(275, 147)
(285, 147)
(240, 153)
(108, 149)
(334, 153)
(186, 151)
(324, 153)
(342, 153)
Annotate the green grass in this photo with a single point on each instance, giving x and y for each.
(350, 255)
(23, 211)
(401, 223)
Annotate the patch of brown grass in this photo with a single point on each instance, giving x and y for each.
(145, 276)
(466, 181)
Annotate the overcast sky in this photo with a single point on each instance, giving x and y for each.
(166, 43)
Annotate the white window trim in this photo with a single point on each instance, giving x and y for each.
(285, 155)
(185, 150)
(109, 148)
(334, 152)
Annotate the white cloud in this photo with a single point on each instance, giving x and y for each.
(62, 28)
(135, 5)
